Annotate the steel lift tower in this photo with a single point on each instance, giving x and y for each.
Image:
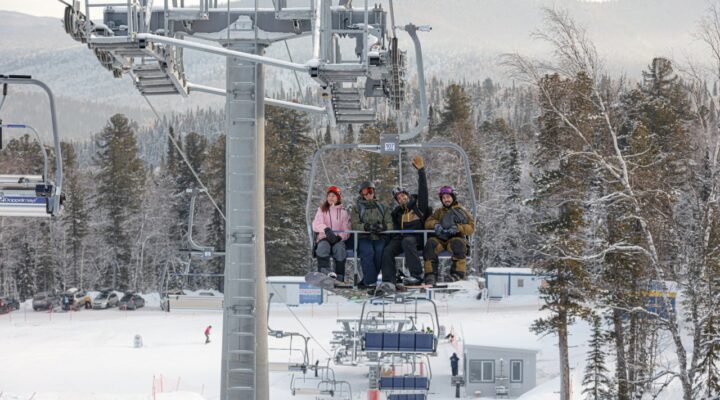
(146, 42)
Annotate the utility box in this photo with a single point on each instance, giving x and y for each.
(389, 143)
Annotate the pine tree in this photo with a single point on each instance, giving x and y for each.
(561, 222)
(596, 382)
(75, 217)
(121, 180)
(287, 154)
(215, 181)
(328, 136)
(25, 272)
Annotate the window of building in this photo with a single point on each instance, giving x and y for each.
(516, 371)
(521, 283)
(482, 370)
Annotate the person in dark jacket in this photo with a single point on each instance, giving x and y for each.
(370, 216)
(452, 225)
(410, 214)
(454, 360)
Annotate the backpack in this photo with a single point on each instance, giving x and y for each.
(362, 209)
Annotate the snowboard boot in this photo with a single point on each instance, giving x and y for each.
(411, 281)
(340, 271)
(323, 264)
(456, 276)
(430, 279)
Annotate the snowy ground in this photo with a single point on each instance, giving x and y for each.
(89, 354)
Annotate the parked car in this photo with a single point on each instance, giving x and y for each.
(76, 299)
(8, 304)
(45, 301)
(131, 301)
(105, 299)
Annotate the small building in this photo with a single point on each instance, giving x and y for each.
(293, 290)
(502, 282)
(499, 371)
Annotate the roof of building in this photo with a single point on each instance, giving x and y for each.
(510, 271)
(507, 348)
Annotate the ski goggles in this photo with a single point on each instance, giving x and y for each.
(367, 191)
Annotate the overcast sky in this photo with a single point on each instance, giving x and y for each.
(43, 8)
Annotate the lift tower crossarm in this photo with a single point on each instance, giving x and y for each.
(224, 52)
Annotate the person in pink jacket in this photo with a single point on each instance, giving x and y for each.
(330, 218)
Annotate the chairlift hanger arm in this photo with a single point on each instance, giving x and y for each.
(273, 102)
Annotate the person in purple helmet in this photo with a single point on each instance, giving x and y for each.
(452, 225)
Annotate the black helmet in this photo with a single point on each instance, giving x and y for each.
(366, 185)
(396, 191)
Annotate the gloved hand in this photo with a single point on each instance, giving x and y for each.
(418, 162)
(367, 228)
(331, 236)
(379, 227)
(453, 230)
(438, 229)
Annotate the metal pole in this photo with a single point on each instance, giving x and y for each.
(243, 55)
(244, 357)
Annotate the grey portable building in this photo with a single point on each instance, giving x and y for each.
(491, 370)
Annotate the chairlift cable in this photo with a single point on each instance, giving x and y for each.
(301, 324)
(187, 162)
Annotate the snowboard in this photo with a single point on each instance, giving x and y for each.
(324, 281)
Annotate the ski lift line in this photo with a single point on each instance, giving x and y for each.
(301, 324)
(37, 137)
(322, 161)
(273, 102)
(223, 52)
(423, 123)
(187, 162)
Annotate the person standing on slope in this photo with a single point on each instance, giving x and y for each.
(207, 334)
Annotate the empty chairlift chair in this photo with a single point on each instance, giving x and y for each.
(31, 195)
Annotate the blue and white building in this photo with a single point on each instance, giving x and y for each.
(293, 290)
(503, 282)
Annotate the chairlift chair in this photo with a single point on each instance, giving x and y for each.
(392, 144)
(32, 195)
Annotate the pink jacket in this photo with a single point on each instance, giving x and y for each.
(336, 218)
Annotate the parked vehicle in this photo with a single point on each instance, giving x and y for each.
(73, 299)
(105, 299)
(131, 301)
(8, 304)
(45, 301)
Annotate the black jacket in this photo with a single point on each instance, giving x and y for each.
(412, 216)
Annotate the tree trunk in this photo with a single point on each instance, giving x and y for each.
(621, 361)
(564, 360)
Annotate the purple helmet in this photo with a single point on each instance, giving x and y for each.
(446, 190)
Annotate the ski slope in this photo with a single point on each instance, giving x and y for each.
(89, 354)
